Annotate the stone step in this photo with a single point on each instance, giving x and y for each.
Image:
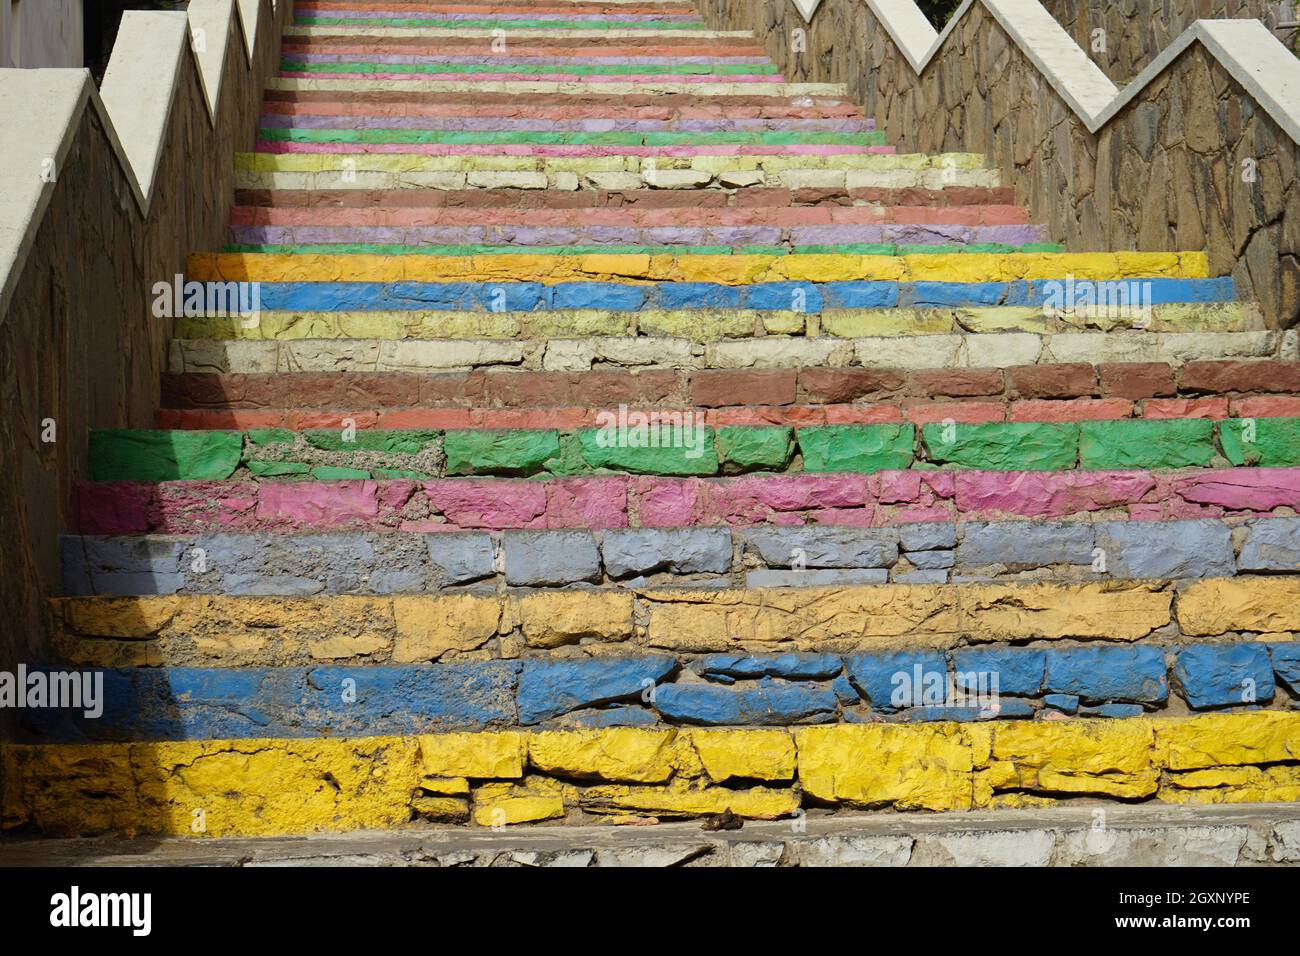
(715, 690)
(702, 325)
(511, 142)
(888, 240)
(474, 36)
(649, 353)
(746, 197)
(884, 499)
(935, 553)
(1161, 388)
(553, 89)
(361, 116)
(969, 412)
(682, 445)
(1133, 835)
(400, 66)
(702, 281)
(756, 103)
(297, 786)
(260, 631)
(637, 217)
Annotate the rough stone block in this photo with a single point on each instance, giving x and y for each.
(461, 558)
(823, 547)
(1167, 549)
(1224, 675)
(635, 551)
(1109, 674)
(540, 559)
(1025, 544)
(1138, 443)
(770, 703)
(1017, 672)
(905, 679)
(1004, 446)
(549, 688)
(856, 448)
(1272, 544)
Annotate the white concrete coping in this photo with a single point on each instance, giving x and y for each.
(41, 110)
(1251, 55)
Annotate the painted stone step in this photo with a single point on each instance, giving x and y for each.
(636, 216)
(679, 444)
(224, 631)
(622, 353)
(690, 142)
(744, 197)
(610, 502)
(289, 786)
(573, 52)
(354, 116)
(1160, 387)
(176, 704)
(476, 35)
(578, 240)
(712, 325)
(554, 88)
(986, 279)
(936, 553)
(785, 416)
(510, 22)
(401, 73)
(472, 100)
(400, 66)
(952, 166)
(889, 184)
(728, 245)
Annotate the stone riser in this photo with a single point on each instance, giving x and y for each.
(829, 281)
(655, 354)
(461, 318)
(252, 631)
(575, 417)
(576, 240)
(1145, 835)
(304, 786)
(150, 704)
(635, 216)
(360, 563)
(1247, 385)
(884, 499)
(688, 447)
(282, 116)
(750, 197)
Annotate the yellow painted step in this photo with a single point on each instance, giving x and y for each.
(729, 270)
(271, 787)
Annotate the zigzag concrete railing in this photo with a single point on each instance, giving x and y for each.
(104, 193)
(1198, 151)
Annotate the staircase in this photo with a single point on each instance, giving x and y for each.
(603, 429)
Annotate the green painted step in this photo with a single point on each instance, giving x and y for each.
(695, 449)
(529, 137)
(527, 69)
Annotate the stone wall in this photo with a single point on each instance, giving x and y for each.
(1164, 173)
(79, 348)
(1137, 30)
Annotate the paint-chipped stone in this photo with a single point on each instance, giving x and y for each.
(538, 559)
(636, 551)
(1223, 675)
